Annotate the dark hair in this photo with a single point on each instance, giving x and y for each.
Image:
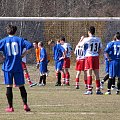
(36, 42)
(11, 30)
(117, 35)
(63, 38)
(92, 30)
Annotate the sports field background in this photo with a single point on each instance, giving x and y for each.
(60, 103)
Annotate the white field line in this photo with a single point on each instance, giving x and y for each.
(52, 113)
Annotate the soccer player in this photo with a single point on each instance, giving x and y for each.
(113, 55)
(26, 74)
(43, 64)
(92, 46)
(37, 52)
(12, 47)
(80, 63)
(59, 55)
(66, 65)
(107, 71)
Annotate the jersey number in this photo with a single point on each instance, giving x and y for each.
(94, 47)
(12, 48)
(80, 52)
(116, 49)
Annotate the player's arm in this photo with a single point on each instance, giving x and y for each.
(107, 51)
(25, 53)
(63, 51)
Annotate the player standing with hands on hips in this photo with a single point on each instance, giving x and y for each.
(12, 47)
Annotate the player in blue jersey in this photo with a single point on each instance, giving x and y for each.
(59, 55)
(113, 55)
(106, 77)
(12, 47)
(43, 64)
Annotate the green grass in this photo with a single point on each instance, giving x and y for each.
(60, 103)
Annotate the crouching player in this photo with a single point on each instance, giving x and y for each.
(59, 55)
(80, 63)
(43, 64)
(12, 47)
(114, 62)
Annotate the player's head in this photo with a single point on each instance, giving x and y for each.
(62, 40)
(117, 35)
(35, 44)
(51, 42)
(40, 44)
(91, 30)
(11, 30)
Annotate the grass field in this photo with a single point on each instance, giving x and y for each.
(60, 103)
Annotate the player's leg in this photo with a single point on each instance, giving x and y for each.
(113, 68)
(58, 76)
(118, 82)
(78, 71)
(88, 68)
(118, 86)
(85, 79)
(59, 66)
(96, 73)
(44, 79)
(63, 77)
(89, 79)
(113, 84)
(65, 74)
(44, 71)
(77, 79)
(8, 77)
(27, 76)
(67, 77)
(19, 81)
(107, 75)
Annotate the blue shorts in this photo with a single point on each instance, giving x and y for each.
(43, 67)
(114, 68)
(18, 78)
(106, 66)
(59, 65)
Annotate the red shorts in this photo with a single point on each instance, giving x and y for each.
(24, 66)
(66, 63)
(80, 65)
(92, 62)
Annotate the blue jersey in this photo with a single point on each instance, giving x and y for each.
(58, 52)
(113, 49)
(12, 47)
(43, 54)
(43, 64)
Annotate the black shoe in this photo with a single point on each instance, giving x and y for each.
(57, 84)
(117, 92)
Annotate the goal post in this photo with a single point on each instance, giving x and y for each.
(60, 19)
